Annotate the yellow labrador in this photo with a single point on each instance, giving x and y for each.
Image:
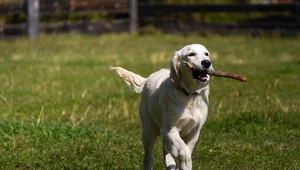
(174, 103)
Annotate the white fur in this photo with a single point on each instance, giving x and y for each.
(166, 109)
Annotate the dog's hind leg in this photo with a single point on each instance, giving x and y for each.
(148, 143)
(150, 131)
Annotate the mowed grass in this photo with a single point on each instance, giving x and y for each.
(61, 108)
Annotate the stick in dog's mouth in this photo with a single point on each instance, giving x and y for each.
(218, 73)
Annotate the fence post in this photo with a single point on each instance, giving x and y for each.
(133, 16)
(33, 19)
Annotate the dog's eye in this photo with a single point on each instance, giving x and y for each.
(206, 54)
(192, 54)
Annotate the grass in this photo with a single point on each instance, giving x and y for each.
(61, 108)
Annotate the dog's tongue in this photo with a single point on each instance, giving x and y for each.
(203, 76)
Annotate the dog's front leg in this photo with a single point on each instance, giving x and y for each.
(177, 148)
(170, 163)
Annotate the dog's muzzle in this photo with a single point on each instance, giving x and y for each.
(200, 75)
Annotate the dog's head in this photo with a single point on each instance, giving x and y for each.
(197, 55)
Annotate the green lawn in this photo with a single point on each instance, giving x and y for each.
(61, 108)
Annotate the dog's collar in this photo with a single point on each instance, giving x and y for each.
(186, 92)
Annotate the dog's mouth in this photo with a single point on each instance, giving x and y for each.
(200, 75)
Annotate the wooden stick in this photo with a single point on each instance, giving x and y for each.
(227, 75)
(218, 73)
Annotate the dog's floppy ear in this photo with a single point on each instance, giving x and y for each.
(174, 63)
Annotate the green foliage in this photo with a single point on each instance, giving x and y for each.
(61, 108)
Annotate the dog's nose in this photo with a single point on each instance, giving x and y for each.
(205, 63)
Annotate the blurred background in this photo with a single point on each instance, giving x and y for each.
(253, 17)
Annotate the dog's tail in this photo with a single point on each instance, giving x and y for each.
(134, 81)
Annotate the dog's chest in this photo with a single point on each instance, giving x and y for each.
(193, 117)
